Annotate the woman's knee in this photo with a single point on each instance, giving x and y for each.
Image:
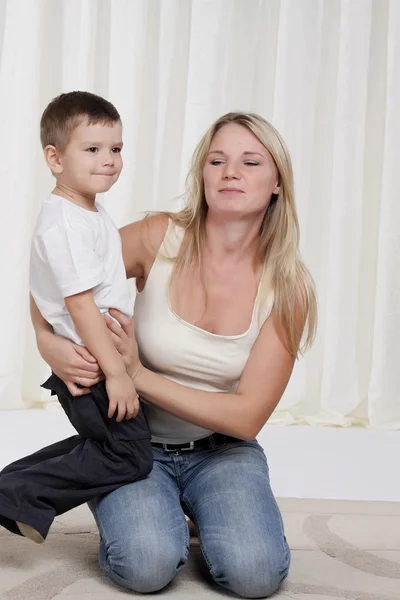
(144, 537)
(143, 567)
(252, 572)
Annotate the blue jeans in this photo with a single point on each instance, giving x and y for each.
(226, 491)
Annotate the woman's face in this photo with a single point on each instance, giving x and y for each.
(239, 174)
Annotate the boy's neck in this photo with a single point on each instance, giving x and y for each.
(86, 201)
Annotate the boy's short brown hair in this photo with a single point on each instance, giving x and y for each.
(67, 111)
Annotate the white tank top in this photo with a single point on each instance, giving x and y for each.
(182, 352)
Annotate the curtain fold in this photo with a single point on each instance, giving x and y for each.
(326, 73)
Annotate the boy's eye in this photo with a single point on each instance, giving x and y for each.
(92, 149)
(116, 150)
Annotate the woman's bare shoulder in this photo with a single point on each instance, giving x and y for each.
(141, 242)
(155, 228)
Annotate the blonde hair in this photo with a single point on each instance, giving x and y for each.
(283, 270)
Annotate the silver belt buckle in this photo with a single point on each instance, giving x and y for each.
(191, 447)
(169, 450)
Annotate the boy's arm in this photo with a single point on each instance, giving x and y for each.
(67, 360)
(91, 327)
(94, 333)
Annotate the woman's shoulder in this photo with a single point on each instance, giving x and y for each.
(165, 233)
(147, 233)
(141, 242)
(154, 230)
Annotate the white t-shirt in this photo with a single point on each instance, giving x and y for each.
(73, 250)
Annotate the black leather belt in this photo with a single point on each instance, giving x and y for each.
(208, 442)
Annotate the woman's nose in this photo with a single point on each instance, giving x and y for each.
(231, 171)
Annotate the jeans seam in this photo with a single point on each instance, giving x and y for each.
(187, 546)
(204, 553)
(286, 561)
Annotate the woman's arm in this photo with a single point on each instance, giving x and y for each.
(71, 362)
(241, 414)
(40, 325)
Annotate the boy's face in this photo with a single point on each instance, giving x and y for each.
(92, 162)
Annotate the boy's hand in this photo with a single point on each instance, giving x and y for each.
(122, 397)
(123, 337)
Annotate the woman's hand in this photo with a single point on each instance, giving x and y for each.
(70, 362)
(123, 336)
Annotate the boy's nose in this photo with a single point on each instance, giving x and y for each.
(109, 159)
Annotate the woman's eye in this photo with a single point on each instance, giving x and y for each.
(248, 163)
(93, 149)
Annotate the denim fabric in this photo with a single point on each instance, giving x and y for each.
(226, 491)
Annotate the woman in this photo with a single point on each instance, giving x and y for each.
(223, 300)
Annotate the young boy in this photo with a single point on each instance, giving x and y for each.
(76, 275)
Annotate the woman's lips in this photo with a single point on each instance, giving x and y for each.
(231, 191)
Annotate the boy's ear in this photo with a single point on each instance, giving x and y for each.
(53, 159)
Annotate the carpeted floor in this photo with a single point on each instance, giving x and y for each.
(340, 550)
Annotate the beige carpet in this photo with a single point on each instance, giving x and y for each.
(340, 550)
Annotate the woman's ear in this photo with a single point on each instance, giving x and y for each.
(53, 159)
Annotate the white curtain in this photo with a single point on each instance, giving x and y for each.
(325, 72)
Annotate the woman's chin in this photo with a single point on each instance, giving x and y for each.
(232, 212)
